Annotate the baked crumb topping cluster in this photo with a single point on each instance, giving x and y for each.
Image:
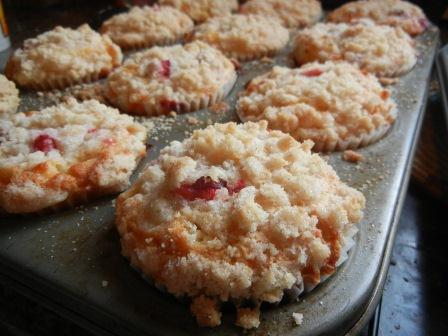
(244, 37)
(382, 50)
(321, 102)
(9, 97)
(396, 13)
(63, 57)
(236, 212)
(292, 13)
(165, 79)
(66, 152)
(147, 26)
(201, 10)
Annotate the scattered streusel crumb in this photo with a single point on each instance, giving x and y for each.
(192, 120)
(267, 60)
(388, 81)
(298, 318)
(104, 283)
(89, 91)
(172, 114)
(221, 107)
(352, 156)
(248, 318)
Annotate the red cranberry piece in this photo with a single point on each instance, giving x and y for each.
(44, 143)
(165, 68)
(92, 130)
(312, 73)
(424, 23)
(171, 105)
(240, 184)
(203, 188)
(109, 141)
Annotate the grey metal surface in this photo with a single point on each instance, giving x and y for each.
(442, 74)
(71, 260)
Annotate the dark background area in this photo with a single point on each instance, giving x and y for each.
(415, 299)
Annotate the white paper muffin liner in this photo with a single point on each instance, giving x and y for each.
(63, 82)
(185, 106)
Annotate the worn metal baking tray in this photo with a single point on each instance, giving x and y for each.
(71, 260)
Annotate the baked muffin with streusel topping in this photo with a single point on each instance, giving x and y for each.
(382, 50)
(146, 26)
(334, 104)
(236, 213)
(397, 13)
(244, 37)
(9, 97)
(177, 78)
(62, 57)
(66, 154)
(292, 13)
(201, 10)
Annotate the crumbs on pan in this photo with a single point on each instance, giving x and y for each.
(298, 318)
(192, 120)
(221, 107)
(352, 156)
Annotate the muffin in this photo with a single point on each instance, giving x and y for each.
(236, 213)
(65, 155)
(292, 13)
(334, 104)
(177, 78)
(394, 13)
(201, 10)
(9, 97)
(63, 57)
(146, 26)
(244, 37)
(382, 50)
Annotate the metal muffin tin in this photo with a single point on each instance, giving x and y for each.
(71, 260)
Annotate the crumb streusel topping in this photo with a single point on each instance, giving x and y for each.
(243, 36)
(63, 151)
(63, 54)
(236, 212)
(292, 13)
(395, 13)
(383, 50)
(9, 97)
(165, 79)
(319, 102)
(201, 10)
(147, 26)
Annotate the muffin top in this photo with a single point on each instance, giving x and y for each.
(63, 53)
(319, 102)
(47, 156)
(201, 10)
(243, 37)
(397, 13)
(164, 78)
(9, 97)
(292, 13)
(236, 212)
(147, 26)
(383, 50)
